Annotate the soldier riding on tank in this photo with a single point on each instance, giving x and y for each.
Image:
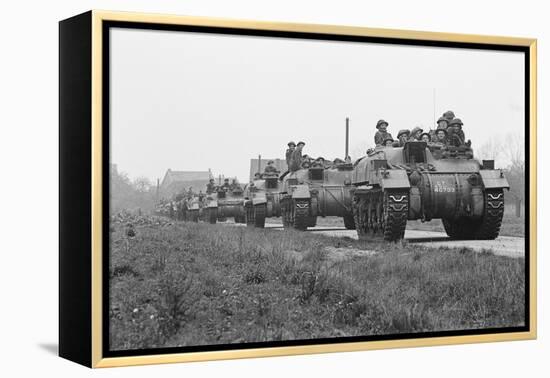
(388, 142)
(449, 115)
(402, 137)
(289, 152)
(455, 135)
(442, 124)
(270, 168)
(210, 187)
(425, 137)
(382, 132)
(416, 133)
(296, 158)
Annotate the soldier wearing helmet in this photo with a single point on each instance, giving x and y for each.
(382, 132)
(296, 158)
(226, 186)
(454, 132)
(403, 137)
(388, 142)
(440, 137)
(449, 115)
(211, 186)
(442, 123)
(289, 151)
(270, 168)
(415, 134)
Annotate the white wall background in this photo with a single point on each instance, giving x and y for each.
(28, 197)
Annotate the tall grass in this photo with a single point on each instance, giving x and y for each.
(196, 284)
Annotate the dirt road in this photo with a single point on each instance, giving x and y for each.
(504, 245)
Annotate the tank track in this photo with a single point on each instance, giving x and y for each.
(212, 215)
(300, 214)
(285, 212)
(396, 210)
(492, 219)
(249, 215)
(259, 215)
(381, 214)
(349, 222)
(486, 228)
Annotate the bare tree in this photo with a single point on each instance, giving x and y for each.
(142, 185)
(514, 150)
(491, 149)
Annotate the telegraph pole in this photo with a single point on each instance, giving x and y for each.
(347, 138)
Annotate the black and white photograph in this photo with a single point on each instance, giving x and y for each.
(280, 190)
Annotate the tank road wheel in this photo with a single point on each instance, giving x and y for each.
(212, 215)
(349, 222)
(249, 216)
(380, 214)
(259, 215)
(359, 218)
(300, 214)
(285, 212)
(486, 228)
(367, 214)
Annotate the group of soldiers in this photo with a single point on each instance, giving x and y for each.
(295, 159)
(447, 133)
(211, 187)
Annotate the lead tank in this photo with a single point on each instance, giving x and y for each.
(394, 184)
(317, 191)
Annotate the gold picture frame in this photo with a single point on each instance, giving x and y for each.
(90, 328)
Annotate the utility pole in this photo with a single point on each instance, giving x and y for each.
(259, 163)
(347, 139)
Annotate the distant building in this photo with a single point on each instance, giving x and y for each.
(176, 181)
(280, 164)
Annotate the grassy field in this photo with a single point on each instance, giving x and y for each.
(178, 284)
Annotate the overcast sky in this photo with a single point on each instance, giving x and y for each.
(191, 101)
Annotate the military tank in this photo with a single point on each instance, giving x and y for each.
(262, 199)
(394, 184)
(193, 208)
(209, 208)
(314, 191)
(230, 203)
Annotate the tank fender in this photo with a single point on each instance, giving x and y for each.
(212, 203)
(393, 178)
(493, 179)
(301, 192)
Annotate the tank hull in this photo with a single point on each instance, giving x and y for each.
(317, 192)
(393, 185)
